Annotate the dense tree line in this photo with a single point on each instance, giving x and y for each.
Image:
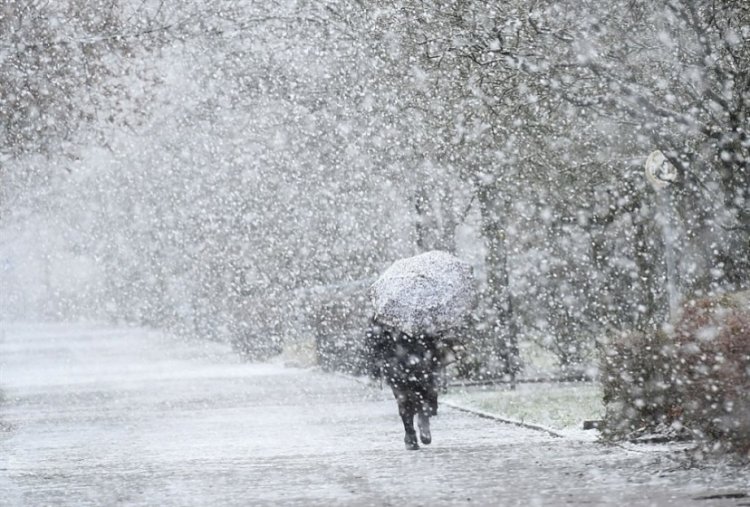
(211, 163)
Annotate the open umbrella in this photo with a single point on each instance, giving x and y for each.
(430, 292)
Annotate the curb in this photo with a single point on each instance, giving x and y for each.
(478, 413)
(504, 420)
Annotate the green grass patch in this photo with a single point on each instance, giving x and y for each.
(556, 406)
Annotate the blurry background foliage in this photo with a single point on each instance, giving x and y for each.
(204, 166)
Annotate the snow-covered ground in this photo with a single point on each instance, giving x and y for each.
(97, 416)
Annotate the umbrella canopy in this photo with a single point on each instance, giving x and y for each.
(429, 293)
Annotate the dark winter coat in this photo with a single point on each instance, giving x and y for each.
(409, 364)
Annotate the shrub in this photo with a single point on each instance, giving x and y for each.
(712, 374)
(339, 327)
(636, 373)
(696, 376)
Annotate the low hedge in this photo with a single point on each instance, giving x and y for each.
(693, 378)
(636, 376)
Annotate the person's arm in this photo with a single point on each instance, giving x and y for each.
(447, 345)
(374, 337)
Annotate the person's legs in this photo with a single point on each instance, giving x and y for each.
(430, 406)
(428, 398)
(423, 422)
(407, 408)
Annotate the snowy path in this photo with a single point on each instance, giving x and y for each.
(93, 416)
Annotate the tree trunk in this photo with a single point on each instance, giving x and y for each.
(735, 179)
(448, 222)
(436, 229)
(499, 317)
(422, 207)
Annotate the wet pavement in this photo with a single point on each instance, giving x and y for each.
(97, 416)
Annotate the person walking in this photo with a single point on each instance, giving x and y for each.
(410, 366)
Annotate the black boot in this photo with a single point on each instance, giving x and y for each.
(424, 429)
(410, 440)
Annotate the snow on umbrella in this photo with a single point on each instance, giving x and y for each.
(430, 292)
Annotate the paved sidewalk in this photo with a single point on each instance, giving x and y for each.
(96, 416)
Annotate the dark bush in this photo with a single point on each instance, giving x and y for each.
(712, 377)
(636, 375)
(339, 328)
(695, 378)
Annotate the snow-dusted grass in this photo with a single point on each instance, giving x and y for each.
(537, 361)
(555, 406)
(299, 353)
(540, 362)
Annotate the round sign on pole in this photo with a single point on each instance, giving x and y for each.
(660, 172)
